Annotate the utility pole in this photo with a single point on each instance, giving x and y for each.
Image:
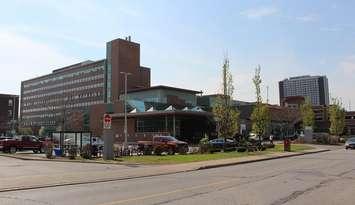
(267, 94)
(125, 106)
(13, 115)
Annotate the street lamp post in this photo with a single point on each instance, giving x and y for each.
(125, 106)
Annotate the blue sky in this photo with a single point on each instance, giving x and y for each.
(184, 42)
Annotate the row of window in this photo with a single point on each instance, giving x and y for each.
(61, 77)
(63, 100)
(69, 106)
(46, 115)
(86, 87)
(66, 83)
(40, 123)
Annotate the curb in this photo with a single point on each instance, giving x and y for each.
(263, 159)
(64, 160)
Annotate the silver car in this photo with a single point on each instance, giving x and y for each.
(350, 143)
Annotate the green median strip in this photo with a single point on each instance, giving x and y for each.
(179, 159)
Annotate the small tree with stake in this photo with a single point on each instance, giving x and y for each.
(260, 116)
(226, 115)
(307, 114)
(336, 118)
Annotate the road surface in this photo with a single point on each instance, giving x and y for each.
(324, 178)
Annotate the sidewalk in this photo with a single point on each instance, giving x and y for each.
(84, 177)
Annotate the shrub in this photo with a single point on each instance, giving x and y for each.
(204, 145)
(48, 150)
(323, 138)
(333, 140)
(72, 152)
(86, 152)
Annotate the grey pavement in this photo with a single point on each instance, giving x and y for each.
(323, 178)
(24, 174)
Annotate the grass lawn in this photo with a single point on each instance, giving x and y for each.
(178, 159)
(294, 148)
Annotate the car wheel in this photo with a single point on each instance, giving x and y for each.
(13, 150)
(157, 151)
(171, 151)
(183, 149)
(35, 151)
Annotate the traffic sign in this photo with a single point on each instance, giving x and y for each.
(107, 121)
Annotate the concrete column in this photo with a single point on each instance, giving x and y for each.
(166, 123)
(174, 127)
(108, 144)
(308, 135)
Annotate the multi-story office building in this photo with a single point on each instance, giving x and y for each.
(62, 98)
(314, 88)
(8, 113)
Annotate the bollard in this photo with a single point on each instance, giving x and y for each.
(287, 145)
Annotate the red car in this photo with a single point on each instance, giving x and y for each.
(162, 144)
(23, 142)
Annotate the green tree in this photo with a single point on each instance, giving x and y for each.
(226, 115)
(336, 117)
(260, 116)
(25, 131)
(45, 131)
(307, 114)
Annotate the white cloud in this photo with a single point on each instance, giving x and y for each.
(308, 18)
(22, 59)
(256, 13)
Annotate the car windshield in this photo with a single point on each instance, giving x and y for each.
(351, 139)
(218, 140)
(169, 138)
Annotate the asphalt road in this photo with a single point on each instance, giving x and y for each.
(324, 178)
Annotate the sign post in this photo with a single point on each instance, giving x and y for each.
(108, 137)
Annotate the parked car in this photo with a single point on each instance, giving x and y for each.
(350, 143)
(161, 144)
(23, 142)
(222, 144)
(4, 138)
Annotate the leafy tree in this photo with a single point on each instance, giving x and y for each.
(42, 131)
(45, 131)
(336, 117)
(260, 116)
(226, 115)
(307, 114)
(25, 131)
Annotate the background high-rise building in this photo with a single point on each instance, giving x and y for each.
(61, 99)
(314, 88)
(8, 113)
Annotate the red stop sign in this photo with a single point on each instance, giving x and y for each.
(107, 118)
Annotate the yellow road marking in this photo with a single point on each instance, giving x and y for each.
(167, 193)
